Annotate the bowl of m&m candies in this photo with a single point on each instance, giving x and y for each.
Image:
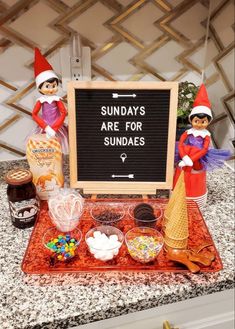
(62, 245)
(104, 242)
(144, 243)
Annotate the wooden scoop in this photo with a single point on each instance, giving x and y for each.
(199, 248)
(181, 256)
(208, 254)
(194, 257)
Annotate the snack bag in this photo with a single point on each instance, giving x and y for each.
(45, 160)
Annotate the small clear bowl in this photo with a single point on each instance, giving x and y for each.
(146, 222)
(63, 225)
(101, 251)
(144, 243)
(65, 209)
(107, 214)
(52, 234)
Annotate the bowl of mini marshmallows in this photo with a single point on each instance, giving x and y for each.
(104, 242)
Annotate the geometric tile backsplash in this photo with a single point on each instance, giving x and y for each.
(144, 40)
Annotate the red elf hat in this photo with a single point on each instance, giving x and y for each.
(201, 104)
(42, 69)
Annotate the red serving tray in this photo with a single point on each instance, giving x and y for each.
(38, 261)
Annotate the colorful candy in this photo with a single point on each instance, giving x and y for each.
(63, 245)
(144, 248)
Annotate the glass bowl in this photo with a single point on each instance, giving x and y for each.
(144, 243)
(66, 209)
(107, 214)
(63, 246)
(65, 225)
(146, 222)
(104, 242)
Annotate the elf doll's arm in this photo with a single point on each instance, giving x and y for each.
(36, 117)
(184, 151)
(196, 156)
(181, 146)
(59, 122)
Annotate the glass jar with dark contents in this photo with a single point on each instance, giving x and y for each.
(22, 198)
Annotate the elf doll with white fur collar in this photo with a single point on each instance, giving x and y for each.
(53, 115)
(194, 145)
(193, 152)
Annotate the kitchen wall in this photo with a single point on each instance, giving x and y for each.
(144, 40)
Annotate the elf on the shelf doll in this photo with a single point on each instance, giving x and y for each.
(53, 115)
(193, 152)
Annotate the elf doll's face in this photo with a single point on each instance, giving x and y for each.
(200, 124)
(49, 88)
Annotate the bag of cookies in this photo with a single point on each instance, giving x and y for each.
(45, 160)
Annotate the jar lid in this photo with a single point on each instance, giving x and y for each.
(18, 176)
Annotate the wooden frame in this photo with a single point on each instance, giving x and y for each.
(107, 187)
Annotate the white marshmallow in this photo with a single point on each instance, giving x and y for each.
(115, 251)
(114, 244)
(105, 246)
(113, 237)
(100, 254)
(97, 234)
(90, 241)
(100, 245)
(103, 242)
(92, 250)
(104, 237)
(107, 256)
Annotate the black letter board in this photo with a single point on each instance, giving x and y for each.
(122, 136)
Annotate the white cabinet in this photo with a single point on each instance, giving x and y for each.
(215, 311)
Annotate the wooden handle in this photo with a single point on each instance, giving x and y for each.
(204, 245)
(181, 256)
(208, 254)
(192, 256)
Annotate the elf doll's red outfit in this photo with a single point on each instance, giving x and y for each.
(193, 152)
(53, 114)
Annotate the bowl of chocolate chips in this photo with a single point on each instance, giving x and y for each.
(107, 213)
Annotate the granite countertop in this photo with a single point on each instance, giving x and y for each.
(61, 301)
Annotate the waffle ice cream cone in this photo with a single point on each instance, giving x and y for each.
(176, 226)
(176, 244)
(172, 200)
(169, 208)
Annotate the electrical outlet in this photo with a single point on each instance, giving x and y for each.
(71, 69)
(76, 68)
(75, 62)
(76, 74)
